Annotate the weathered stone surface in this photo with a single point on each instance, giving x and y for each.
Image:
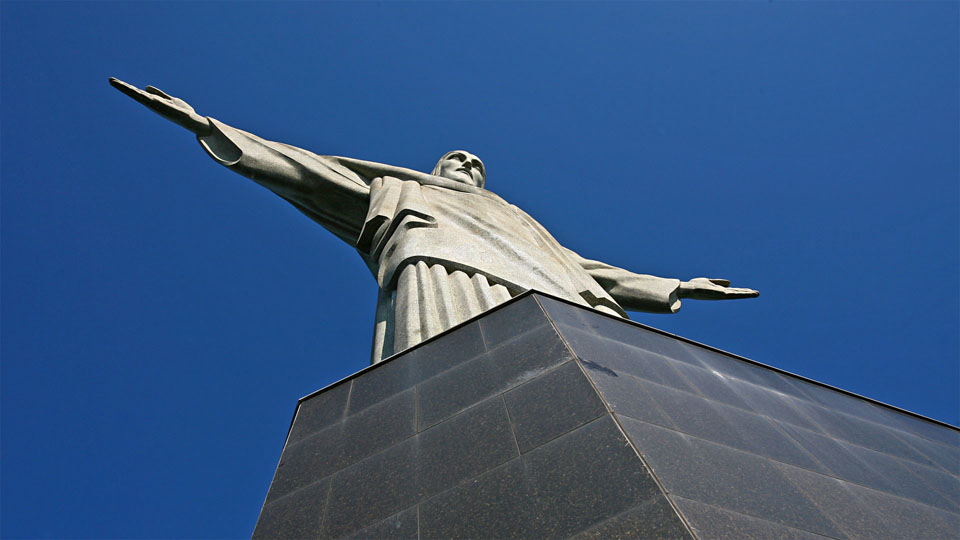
(441, 247)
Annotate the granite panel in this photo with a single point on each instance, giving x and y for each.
(585, 476)
(493, 430)
(653, 518)
(294, 516)
(528, 355)
(464, 446)
(493, 505)
(711, 384)
(696, 416)
(345, 442)
(319, 411)
(770, 403)
(307, 461)
(503, 323)
(839, 502)
(551, 405)
(400, 526)
(456, 389)
(873, 426)
(943, 483)
(648, 340)
(945, 457)
(766, 377)
(446, 351)
(564, 314)
(626, 395)
(923, 428)
(905, 478)
(502, 368)
(715, 523)
(371, 490)
(903, 518)
(736, 368)
(617, 330)
(389, 379)
(565, 486)
(716, 361)
(863, 433)
(378, 427)
(834, 400)
(624, 358)
(762, 437)
(837, 459)
(731, 479)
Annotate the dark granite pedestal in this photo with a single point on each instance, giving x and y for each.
(541, 419)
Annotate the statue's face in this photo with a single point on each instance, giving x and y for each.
(463, 167)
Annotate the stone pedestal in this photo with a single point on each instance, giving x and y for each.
(542, 419)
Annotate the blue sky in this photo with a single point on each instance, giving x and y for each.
(161, 315)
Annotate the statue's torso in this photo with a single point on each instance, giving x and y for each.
(476, 232)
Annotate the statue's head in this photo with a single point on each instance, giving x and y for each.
(461, 166)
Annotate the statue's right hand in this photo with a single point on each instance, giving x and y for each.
(174, 109)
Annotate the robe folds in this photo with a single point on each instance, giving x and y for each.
(441, 251)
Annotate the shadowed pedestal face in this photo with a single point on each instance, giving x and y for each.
(541, 419)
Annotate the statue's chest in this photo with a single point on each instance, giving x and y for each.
(400, 209)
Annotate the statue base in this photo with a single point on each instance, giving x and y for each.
(543, 419)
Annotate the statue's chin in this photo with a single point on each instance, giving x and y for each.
(460, 177)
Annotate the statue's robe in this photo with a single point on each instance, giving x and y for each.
(440, 250)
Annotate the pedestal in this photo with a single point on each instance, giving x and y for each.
(542, 419)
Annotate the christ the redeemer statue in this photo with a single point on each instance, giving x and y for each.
(441, 247)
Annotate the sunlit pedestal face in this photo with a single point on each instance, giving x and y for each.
(542, 419)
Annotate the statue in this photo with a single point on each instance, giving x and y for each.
(441, 247)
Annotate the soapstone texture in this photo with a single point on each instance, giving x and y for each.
(545, 419)
(441, 247)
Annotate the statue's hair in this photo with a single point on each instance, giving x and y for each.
(436, 168)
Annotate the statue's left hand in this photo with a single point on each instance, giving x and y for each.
(174, 109)
(713, 289)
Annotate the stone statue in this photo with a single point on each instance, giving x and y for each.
(441, 247)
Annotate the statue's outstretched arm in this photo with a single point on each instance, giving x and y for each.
(641, 292)
(319, 186)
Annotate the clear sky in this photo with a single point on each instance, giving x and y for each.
(161, 316)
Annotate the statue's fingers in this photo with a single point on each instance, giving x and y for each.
(158, 92)
(742, 293)
(132, 91)
(127, 89)
(182, 104)
(720, 282)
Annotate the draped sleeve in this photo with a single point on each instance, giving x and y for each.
(634, 292)
(322, 187)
